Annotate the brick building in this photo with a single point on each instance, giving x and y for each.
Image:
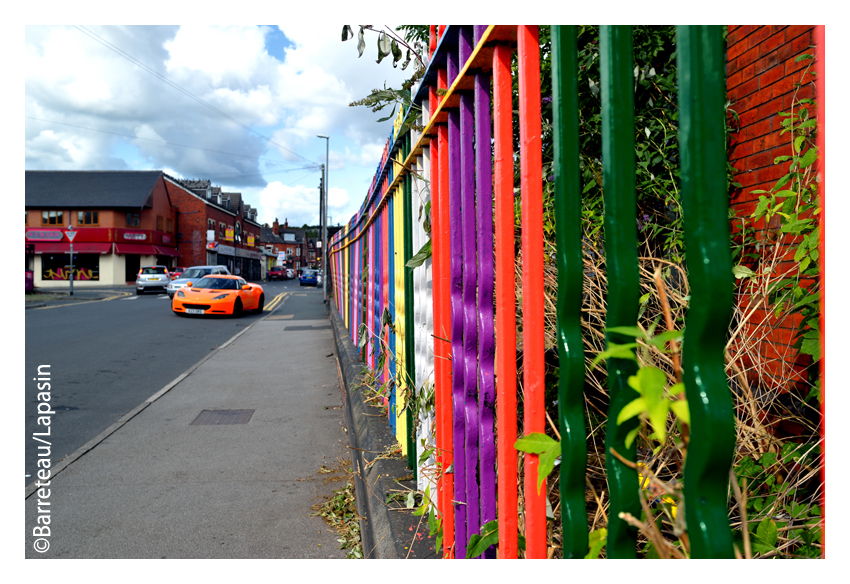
(123, 220)
(762, 69)
(215, 227)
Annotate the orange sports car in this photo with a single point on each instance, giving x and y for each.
(218, 294)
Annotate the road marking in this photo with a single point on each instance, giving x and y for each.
(121, 295)
(274, 303)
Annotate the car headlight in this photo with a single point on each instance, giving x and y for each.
(221, 296)
(180, 294)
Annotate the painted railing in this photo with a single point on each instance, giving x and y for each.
(447, 329)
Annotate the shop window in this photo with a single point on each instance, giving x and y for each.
(57, 267)
(133, 220)
(87, 218)
(52, 218)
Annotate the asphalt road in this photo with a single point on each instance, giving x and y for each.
(107, 357)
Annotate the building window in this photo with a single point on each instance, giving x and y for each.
(221, 229)
(169, 226)
(132, 219)
(52, 218)
(159, 223)
(87, 218)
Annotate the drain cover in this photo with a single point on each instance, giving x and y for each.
(222, 417)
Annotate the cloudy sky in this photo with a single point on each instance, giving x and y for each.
(239, 105)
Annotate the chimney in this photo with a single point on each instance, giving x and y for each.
(276, 227)
(286, 223)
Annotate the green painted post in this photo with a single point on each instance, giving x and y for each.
(570, 273)
(618, 173)
(409, 313)
(702, 147)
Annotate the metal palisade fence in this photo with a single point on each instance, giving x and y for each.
(439, 334)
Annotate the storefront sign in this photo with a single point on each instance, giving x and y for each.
(228, 234)
(44, 235)
(135, 236)
(212, 245)
(251, 240)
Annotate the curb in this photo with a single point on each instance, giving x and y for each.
(388, 531)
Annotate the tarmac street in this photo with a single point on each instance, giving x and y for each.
(167, 485)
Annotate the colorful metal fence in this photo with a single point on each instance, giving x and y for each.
(446, 330)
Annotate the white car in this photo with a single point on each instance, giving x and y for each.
(193, 274)
(152, 278)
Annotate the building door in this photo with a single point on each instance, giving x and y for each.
(132, 265)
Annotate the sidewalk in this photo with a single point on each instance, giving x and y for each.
(51, 296)
(159, 485)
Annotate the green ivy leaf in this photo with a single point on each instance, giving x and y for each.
(809, 157)
(597, 540)
(535, 443)
(423, 254)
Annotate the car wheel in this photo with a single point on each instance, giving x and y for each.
(237, 308)
(261, 303)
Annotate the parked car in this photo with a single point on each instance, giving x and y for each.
(218, 294)
(174, 273)
(152, 278)
(309, 277)
(194, 273)
(276, 273)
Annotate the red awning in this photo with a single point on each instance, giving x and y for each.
(167, 251)
(135, 249)
(42, 247)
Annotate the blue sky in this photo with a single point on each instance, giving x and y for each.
(240, 105)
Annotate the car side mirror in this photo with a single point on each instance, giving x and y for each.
(246, 287)
(188, 284)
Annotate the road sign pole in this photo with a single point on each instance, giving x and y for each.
(71, 234)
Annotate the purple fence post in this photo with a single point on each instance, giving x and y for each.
(486, 281)
(469, 277)
(456, 287)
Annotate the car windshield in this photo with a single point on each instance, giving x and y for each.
(213, 283)
(195, 273)
(308, 273)
(155, 270)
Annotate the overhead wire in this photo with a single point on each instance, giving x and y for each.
(269, 160)
(186, 92)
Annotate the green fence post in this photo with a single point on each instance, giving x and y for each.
(409, 314)
(570, 274)
(618, 173)
(705, 207)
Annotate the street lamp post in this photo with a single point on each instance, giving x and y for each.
(324, 218)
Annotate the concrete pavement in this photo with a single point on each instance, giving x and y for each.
(161, 485)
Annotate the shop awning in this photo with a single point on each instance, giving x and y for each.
(135, 249)
(48, 247)
(167, 251)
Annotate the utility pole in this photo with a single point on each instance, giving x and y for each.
(324, 210)
(322, 213)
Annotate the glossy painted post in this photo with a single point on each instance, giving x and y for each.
(485, 283)
(705, 212)
(442, 337)
(618, 171)
(410, 324)
(506, 373)
(531, 185)
(469, 308)
(571, 374)
(456, 299)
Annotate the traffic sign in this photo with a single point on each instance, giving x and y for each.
(71, 234)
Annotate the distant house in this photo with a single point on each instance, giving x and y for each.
(123, 220)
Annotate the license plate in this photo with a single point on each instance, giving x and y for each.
(154, 278)
(194, 311)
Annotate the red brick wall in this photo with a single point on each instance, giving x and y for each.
(760, 76)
